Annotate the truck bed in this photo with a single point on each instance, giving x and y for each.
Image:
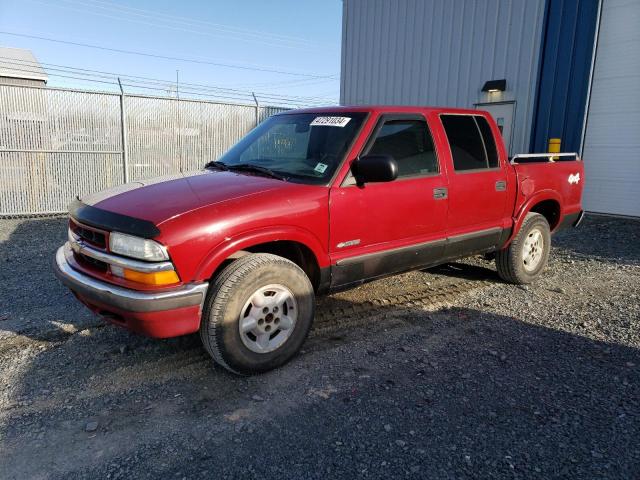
(560, 176)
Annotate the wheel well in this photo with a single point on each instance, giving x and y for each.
(297, 252)
(549, 209)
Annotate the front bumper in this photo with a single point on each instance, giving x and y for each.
(159, 314)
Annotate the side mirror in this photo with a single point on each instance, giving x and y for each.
(374, 168)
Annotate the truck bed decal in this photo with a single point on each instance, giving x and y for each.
(574, 178)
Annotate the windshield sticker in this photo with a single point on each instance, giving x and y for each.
(330, 121)
(320, 167)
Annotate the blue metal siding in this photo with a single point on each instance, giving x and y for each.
(564, 74)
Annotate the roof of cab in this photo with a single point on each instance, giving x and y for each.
(383, 109)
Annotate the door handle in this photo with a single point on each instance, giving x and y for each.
(440, 193)
(501, 185)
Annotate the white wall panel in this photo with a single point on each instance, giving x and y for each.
(612, 139)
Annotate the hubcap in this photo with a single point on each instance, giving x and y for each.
(268, 318)
(532, 250)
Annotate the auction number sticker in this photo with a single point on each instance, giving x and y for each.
(330, 121)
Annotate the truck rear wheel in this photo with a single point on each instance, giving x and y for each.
(257, 314)
(526, 256)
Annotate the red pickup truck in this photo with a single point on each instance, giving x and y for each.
(309, 202)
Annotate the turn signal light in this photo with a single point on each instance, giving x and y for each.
(167, 277)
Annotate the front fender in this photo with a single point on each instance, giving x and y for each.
(248, 239)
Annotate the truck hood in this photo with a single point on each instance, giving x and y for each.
(161, 199)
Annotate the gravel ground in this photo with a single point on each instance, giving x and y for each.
(490, 381)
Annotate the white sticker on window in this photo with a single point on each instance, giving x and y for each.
(320, 167)
(330, 121)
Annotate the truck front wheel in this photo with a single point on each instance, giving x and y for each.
(526, 256)
(257, 314)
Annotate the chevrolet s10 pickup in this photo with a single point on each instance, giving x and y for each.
(309, 202)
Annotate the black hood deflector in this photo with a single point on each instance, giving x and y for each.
(110, 221)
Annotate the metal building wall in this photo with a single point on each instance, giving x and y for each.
(21, 81)
(440, 52)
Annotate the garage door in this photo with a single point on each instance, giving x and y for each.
(612, 138)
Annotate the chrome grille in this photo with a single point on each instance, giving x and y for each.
(93, 237)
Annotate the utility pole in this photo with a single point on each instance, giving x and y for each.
(255, 99)
(179, 120)
(125, 146)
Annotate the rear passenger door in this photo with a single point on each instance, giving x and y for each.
(477, 186)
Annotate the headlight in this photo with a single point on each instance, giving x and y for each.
(136, 247)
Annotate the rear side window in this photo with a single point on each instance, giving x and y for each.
(409, 143)
(467, 147)
(489, 141)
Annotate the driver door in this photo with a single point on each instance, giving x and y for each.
(382, 228)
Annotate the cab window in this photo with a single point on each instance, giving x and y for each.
(467, 144)
(409, 142)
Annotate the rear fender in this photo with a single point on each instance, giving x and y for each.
(251, 238)
(526, 207)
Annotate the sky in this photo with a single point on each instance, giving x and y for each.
(287, 51)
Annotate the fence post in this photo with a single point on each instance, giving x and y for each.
(125, 143)
(255, 99)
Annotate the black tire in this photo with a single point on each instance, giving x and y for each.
(510, 261)
(231, 289)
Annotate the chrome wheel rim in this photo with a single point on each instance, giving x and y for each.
(532, 250)
(268, 318)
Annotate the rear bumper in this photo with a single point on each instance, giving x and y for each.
(571, 220)
(164, 313)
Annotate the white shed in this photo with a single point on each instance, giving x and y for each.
(20, 67)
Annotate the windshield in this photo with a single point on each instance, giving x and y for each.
(305, 147)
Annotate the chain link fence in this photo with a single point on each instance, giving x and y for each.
(56, 144)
